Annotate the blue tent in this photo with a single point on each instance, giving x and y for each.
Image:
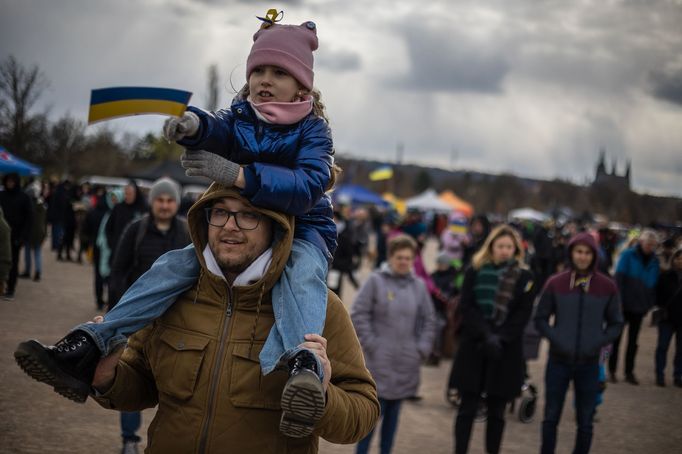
(357, 195)
(10, 163)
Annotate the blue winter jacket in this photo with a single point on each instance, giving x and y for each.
(287, 168)
(637, 280)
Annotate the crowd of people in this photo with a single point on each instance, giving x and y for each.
(586, 281)
(230, 321)
(479, 295)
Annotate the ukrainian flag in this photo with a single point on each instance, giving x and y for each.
(381, 173)
(106, 103)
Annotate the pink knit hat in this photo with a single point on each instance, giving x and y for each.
(288, 46)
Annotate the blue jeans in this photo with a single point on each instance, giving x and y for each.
(147, 299)
(586, 387)
(666, 330)
(130, 424)
(390, 410)
(299, 302)
(35, 252)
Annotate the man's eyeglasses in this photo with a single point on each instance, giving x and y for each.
(245, 220)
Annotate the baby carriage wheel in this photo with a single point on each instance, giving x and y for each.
(528, 404)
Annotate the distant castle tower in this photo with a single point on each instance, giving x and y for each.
(612, 179)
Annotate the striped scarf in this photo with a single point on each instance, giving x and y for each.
(494, 288)
(485, 288)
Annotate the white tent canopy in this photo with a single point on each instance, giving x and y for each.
(528, 214)
(428, 201)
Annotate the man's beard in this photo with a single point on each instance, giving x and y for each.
(233, 266)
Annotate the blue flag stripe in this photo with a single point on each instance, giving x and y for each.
(128, 93)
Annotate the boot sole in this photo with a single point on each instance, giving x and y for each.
(302, 405)
(36, 363)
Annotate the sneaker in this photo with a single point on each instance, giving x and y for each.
(25, 275)
(8, 296)
(129, 447)
(303, 397)
(68, 366)
(36, 276)
(630, 378)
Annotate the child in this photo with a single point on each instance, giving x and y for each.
(274, 144)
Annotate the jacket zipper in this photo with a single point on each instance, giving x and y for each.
(215, 374)
(579, 322)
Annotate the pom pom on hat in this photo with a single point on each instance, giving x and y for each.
(288, 46)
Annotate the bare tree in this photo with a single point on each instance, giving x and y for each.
(21, 131)
(67, 144)
(213, 88)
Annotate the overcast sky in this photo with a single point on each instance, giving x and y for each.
(532, 87)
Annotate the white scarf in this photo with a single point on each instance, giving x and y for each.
(251, 274)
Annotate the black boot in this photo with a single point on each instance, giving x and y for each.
(68, 366)
(303, 397)
(36, 276)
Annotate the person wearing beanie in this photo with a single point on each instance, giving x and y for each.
(587, 317)
(274, 145)
(165, 186)
(669, 300)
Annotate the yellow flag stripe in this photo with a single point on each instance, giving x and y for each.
(381, 174)
(107, 110)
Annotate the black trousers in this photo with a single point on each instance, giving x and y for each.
(14, 270)
(494, 425)
(634, 323)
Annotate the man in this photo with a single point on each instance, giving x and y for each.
(142, 242)
(16, 206)
(199, 361)
(148, 238)
(587, 317)
(636, 276)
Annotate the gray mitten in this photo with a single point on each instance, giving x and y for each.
(200, 163)
(177, 128)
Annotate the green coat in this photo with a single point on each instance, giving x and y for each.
(199, 364)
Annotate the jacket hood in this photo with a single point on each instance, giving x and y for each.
(282, 237)
(589, 241)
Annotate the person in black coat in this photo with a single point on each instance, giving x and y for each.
(344, 257)
(18, 210)
(496, 304)
(132, 207)
(669, 299)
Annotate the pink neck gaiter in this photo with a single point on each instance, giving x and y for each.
(284, 113)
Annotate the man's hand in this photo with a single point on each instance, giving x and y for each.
(318, 345)
(177, 128)
(200, 163)
(106, 369)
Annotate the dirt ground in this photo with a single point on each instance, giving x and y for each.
(34, 419)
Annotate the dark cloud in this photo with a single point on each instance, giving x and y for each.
(667, 85)
(445, 60)
(338, 60)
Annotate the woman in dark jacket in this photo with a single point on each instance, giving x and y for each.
(496, 304)
(669, 299)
